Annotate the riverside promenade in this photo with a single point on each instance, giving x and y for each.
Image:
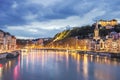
(82, 52)
(101, 54)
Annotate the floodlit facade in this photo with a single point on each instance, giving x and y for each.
(13, 42)
(108, 23)
(83, 44)
(7, 42)
(1, 40)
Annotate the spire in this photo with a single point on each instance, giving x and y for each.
(96, 32)
(96, 25)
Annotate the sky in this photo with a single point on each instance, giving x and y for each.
(45, 18)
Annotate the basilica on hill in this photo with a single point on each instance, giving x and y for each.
(108, 23)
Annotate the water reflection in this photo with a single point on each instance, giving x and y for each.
(1, 71)
(58, 65)
(85, 67)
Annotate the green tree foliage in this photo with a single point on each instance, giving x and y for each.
(84, 32)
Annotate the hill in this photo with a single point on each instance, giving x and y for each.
(82, 33)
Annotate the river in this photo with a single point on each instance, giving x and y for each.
(59, 65)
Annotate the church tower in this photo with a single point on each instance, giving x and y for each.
(96, 32)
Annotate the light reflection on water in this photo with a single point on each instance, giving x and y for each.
(58, 65)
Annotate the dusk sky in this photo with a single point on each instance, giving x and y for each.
(45, 18)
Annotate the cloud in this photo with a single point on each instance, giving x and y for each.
(14, 5)
(24, 37)
(30, 16)
(41, 18)
(50, 28)
(44, 2)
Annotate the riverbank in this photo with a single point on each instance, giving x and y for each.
(93, 53)
(8, 55)
(101, 54)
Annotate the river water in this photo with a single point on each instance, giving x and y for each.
(59, 65)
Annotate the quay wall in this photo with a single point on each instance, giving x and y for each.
(5, 54)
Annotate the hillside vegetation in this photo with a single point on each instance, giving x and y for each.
(84, 32)
(81, 32)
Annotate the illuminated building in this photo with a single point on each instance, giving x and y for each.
(1, 40)
(7, 41)
(112, 43)
(39, 41)
(13, 43)
(108, 23)
(83, 44)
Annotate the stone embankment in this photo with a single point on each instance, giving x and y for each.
(101, 54)
(9, 55)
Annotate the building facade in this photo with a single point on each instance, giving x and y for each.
(1, 40)
(13, 42)
(7, 42)
(106, 23)
(108, 44)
